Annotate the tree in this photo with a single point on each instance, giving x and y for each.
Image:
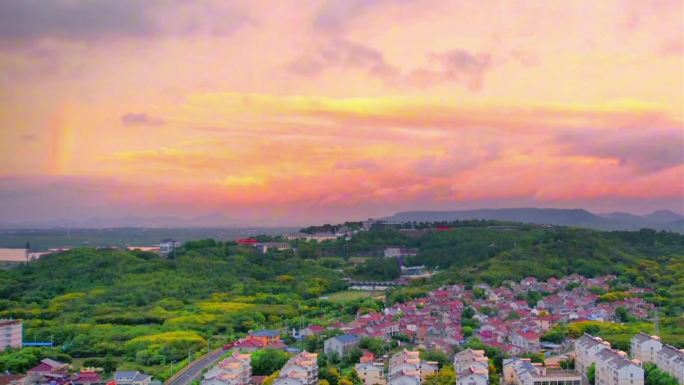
(591, 374)
(435, 355)
(567, 364)
(331, 375)
(267, 361)
(271, 379)
(445, 376)
(374, 345)
(654, 376)
(622, 314)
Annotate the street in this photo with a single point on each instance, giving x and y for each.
(194, 371)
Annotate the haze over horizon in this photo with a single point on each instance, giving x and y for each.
(321, 111)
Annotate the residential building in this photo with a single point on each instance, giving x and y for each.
(521, 371)
(234, 370)
(586, 349)
(473, 376)
(645, 348)
(527, 341)
(408, 363)
(301, 369)
(132, 377)
(341, 345)
(264, 247)
(86, 377)
(311, 330)
(397, 252)
(371, 374)
(412, 271)
(261, 339)
(470, 358)
(671, 360)
(613, 367)
(167, 246)
(404, 380)
(267, 336)
(50, 367)
(10, 334)
(13, 257)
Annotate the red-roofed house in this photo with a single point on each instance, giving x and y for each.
(527, 341)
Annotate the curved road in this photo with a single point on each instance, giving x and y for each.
(194, 370)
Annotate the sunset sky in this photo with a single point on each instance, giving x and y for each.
(292, 112)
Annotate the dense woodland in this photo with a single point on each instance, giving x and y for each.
(137, 310)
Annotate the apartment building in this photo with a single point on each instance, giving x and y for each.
(10, 334)
(671, 360)
(234, 370)
(301, 369)
(613, 367)
(586, 349)
(645, 348)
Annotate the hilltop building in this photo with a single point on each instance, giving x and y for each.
(168, 246)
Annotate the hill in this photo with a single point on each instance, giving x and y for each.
(147, 312)
(659, 220)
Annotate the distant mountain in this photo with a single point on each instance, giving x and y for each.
(659, 220)
(663, 216)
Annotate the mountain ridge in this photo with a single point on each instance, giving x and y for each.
(658, 220)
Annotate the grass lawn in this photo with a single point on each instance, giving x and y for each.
(349, 295)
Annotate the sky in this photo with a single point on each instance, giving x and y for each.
(295, 111)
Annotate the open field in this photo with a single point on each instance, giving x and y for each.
(350, 295)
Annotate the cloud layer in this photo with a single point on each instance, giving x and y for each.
(324, 110)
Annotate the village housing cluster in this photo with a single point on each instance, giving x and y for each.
(503, 317)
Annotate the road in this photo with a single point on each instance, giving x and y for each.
(194, 371)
